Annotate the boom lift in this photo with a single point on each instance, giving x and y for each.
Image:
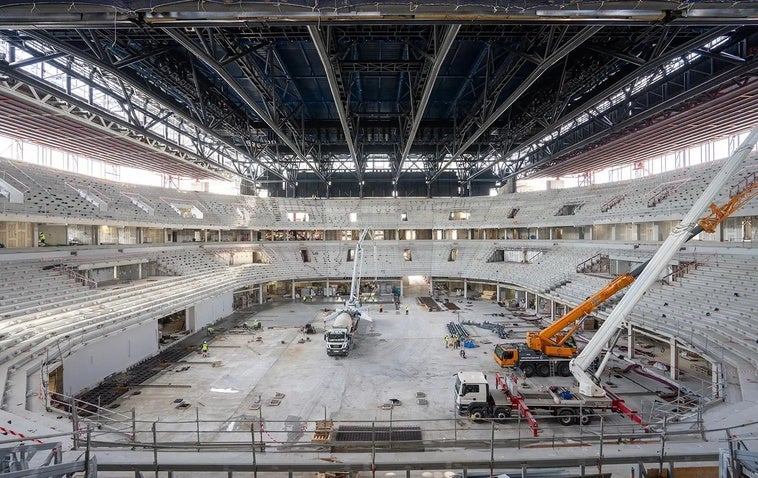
(548, 351)
(339, 336)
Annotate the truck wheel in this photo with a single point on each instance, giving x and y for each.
(502, 414)
(543, 370)
(528, 369)
(586, 416)
(477, 414)
(563, 369)
(566, 416)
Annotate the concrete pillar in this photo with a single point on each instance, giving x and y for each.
(674, 357)
(115, 272)
(656, 232)
(465, 289)
(629, 340)
(260, 294)
(35, 236)
(326, 289)
(588, 235)
(552, 310)
(537, 234)
(510, 185)
(550, 233)
(219, 235)
(497, 292)
(431, 286)
(139, 271)
(293, 289)
(613, 232)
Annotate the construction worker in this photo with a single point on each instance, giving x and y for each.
(381, 308)
(211, 330)
(407, 309)
(257, 324)
(204, 348)
(42, 239)
(447, 341)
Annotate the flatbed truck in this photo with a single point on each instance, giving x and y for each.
(476, 399)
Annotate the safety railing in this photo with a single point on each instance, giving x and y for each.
(73, 274)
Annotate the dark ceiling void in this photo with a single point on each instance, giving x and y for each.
(369, 99)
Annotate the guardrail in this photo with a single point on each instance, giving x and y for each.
(73, 274)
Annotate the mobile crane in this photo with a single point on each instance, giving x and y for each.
(473, 394)
(548, 351)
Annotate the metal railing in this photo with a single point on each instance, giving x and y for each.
(74, 274)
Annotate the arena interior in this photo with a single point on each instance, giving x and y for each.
(191, 192)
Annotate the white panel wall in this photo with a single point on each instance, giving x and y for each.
(87, 367)
(210, 310)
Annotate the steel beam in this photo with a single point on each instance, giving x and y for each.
(551, 60)
(339, 104)
(646, 69)
(418, 111)
(47, 38)
(213, 64)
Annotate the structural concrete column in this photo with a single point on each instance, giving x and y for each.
(219, 235)
(326, 289)
(139, 271)
(401, 287)
(431, 286)
(497, 292)
(674, 358)
(115, 272)
(260, 293)
(465, 289)
(293, 289)
(630, 340)
(613, 232)
(550, 233)
(552, 310)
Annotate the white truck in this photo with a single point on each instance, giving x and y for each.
(476, 399)
(339, 337)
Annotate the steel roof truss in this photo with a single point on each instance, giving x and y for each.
(337, 88)
(556, 56)
(426, 83)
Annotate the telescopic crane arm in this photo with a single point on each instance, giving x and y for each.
(354, 299)
(688, 228)
(551, 341)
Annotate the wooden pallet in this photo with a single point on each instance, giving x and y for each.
(323, 431)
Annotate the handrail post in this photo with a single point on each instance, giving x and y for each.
(155, 449)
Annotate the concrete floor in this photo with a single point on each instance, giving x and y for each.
(396, 357)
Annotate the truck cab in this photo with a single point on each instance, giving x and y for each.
(338, 341)
(474, 399)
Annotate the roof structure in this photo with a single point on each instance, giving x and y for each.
(364, 98)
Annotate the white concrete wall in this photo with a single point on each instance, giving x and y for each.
(88, 366)
(208, 311)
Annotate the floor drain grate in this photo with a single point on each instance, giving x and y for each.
(369, 434)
